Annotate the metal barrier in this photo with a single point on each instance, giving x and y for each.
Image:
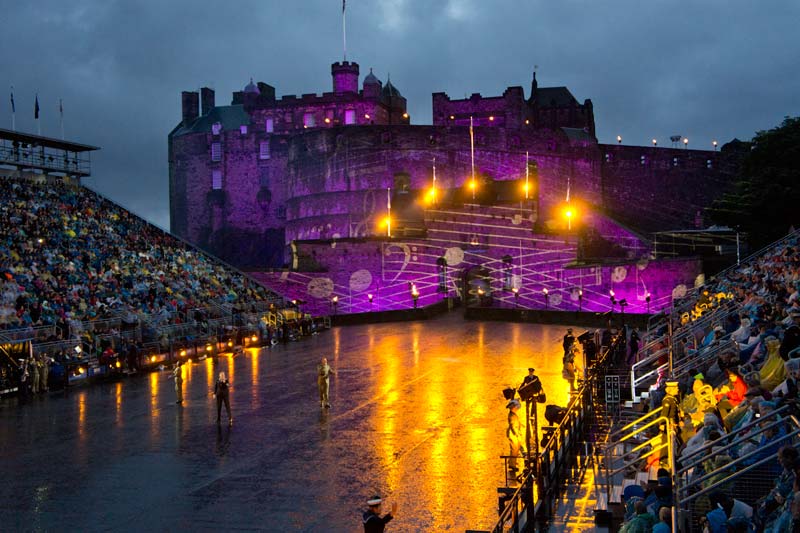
(649, 435)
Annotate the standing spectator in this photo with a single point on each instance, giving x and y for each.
(634, 348)
(569, 340)
(373, 521)
(324, 372)
(514, 435)
(222, 394)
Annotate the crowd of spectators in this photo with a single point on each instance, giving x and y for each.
(737, 346)
(76, 269)
(67, 254)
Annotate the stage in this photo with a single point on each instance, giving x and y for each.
(417, 416)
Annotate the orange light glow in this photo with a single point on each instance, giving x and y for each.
(254, 338)
(183, 352)
(405, 115)
(327, 120)
(472, 184)
(152, 358)
(118, 364)
(366, 116)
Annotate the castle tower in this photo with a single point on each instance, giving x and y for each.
(372, 86)
(345, 77)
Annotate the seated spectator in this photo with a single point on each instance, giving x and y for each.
(642, 522)
(767, 507)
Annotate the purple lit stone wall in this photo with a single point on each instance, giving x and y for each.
(338, 178)
(660, 189)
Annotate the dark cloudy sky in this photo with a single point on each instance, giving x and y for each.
(710, 69)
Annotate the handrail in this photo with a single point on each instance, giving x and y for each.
(639, 458)
(737, 440)
(700, 357)
(633, 424)
(736, 461)
(757, 253)
(728, 479)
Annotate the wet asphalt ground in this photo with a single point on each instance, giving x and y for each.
(417, 416)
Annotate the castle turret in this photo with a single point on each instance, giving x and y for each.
(345, 77)
(190, 104)
(250, 95)
(534, 87)
(372, 86)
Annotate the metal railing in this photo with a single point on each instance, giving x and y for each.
(649, 435)
(565, 449)
(690, 487)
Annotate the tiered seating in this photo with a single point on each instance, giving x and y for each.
(735, 358)
(78, 271)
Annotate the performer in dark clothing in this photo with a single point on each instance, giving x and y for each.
(373, 521)
(222, 395)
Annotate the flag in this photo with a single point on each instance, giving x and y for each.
(36, 108)
(61, 107)
(343, 2)
(13, 107)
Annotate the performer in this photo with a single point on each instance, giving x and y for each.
(221, 393)
(373, 521)
(515, 435)
(177, 375)
(323, 381)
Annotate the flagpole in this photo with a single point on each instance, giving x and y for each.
(527, 172)
(13, 111)
(344, 31)
(472, 156)
(434, 182)
(61, 113)
(36, 115)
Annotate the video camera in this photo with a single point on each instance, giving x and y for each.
(532, 390)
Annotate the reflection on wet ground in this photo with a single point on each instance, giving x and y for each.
(417, 416)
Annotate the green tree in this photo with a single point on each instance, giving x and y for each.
(765, 200)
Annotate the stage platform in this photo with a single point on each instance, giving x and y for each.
(417, 416)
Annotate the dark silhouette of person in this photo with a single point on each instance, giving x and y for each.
(222, 394)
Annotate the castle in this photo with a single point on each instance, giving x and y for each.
(268, 182)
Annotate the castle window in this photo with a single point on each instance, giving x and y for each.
(216, 152)
(270, 125)
(216, 128)
(350, 116)
(708, 163)
(674, 161)
(216, 180)
(643, 160)
(608, 158)
(243, 129)
(308, 120)
(263, 150)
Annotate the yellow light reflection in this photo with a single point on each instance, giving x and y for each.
(118, 401)
(210, 377)
(154, 394)
(81, 413)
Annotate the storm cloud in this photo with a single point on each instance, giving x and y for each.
(704, 70)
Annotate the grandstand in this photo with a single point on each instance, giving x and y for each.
(732, 348)
(97, 291)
